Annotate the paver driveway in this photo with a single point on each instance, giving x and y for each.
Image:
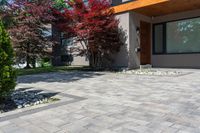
(114, 103)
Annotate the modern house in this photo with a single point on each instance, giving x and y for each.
(160, 33)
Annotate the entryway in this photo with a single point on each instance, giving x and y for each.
(145, 43)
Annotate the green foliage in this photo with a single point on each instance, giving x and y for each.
(4, 16)
(60, 4)
(45, 62)
(3, 3)
(40, 70)
(7, 73)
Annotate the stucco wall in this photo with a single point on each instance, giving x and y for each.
(121, 58)
(59, 51)
(77, 59)
(128, 57)
(80, 61)
(176, 60)
(135, 20)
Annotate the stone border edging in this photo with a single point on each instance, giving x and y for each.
(36, 110)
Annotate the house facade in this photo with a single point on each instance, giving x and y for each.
(62, 54)
(160, 33)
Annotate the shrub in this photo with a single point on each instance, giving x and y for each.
(45, 62)
(7, 73)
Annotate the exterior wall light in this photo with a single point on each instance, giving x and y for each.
(138, 30)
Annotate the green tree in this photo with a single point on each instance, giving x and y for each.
(4, 13)
(7, 73)
(3, 3)
(59, 4)
(30, 30)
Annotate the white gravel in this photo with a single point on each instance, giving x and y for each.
(156, 72)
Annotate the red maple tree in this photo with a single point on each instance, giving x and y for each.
(28, 31)
(94, 26)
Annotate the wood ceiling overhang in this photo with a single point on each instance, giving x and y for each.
(155, 8)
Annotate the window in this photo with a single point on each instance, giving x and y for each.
(67, 42)
(66, 58)
(118, 2)
(183, 36)
(177, 37)
(159, 39)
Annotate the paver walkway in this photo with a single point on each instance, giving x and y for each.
(112, 103)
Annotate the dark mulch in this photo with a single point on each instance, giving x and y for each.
(7, 105)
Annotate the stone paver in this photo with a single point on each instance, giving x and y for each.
(112, 103)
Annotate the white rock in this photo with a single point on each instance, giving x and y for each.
(20, 106)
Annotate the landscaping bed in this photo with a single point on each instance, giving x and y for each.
(24, 98)
(155, 72)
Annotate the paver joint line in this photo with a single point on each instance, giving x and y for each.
(116, 103)
(50, 106)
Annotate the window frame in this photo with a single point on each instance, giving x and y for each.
(120, 3)
(165, 37)
(65, 38)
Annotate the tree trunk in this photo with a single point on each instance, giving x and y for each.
(33, 62)
(28, 62)
(28, 58)
(92, 60)
(95, 60)
(99, 60)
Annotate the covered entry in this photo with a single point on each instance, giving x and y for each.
(145, 43)
(171, 38)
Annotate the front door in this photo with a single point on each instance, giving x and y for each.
(145, 43)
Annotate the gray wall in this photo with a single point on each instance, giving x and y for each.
(77, 59)
(121, 58)
(135, 20)
(177, 60)
(80, 61)
(127, 57)
(58, 50)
